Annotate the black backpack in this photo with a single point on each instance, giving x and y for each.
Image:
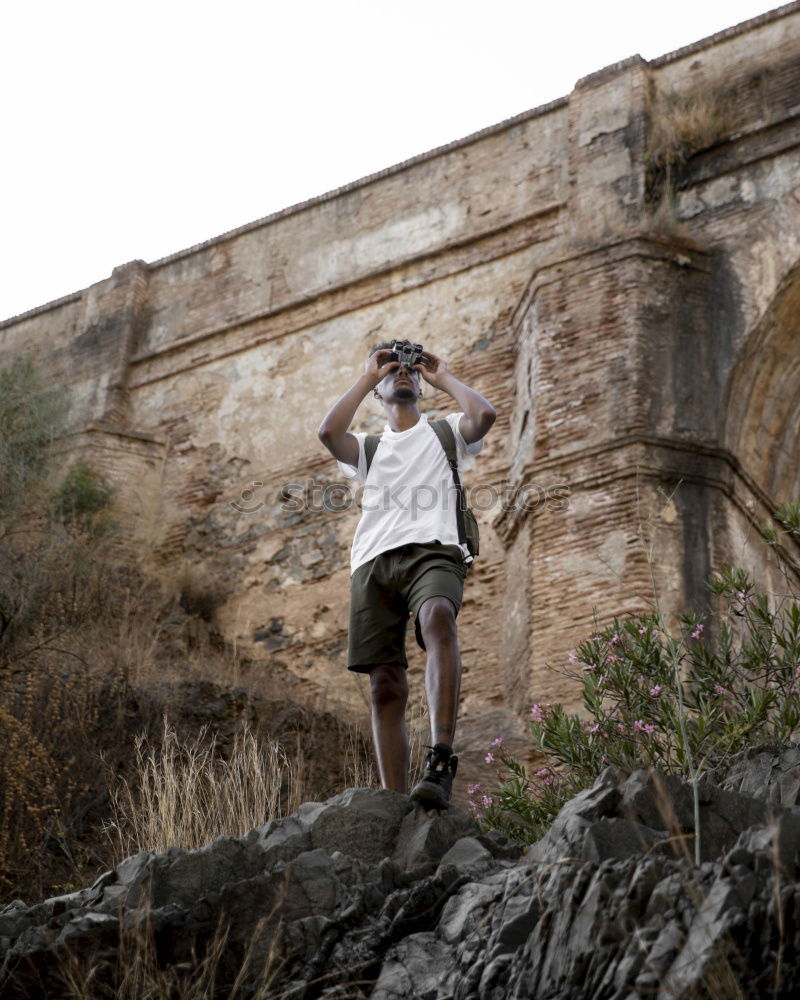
(465, 519)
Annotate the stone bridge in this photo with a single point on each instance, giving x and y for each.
(617, 271)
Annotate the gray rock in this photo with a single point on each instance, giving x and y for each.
(368, 892)
(426, 836)
(611, 837)
(463, 910)
(565, 837)
(698, 958)
(779, 840)
(770, 775)
(468, 856)
(361, 822)
(414, 967)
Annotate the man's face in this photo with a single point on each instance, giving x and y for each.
(400, 384)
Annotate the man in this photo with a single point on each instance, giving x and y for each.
(406, 557)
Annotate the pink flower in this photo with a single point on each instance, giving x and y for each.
(613, 640)
(641, 727)
(590, 666)
(596, 638)
(643, 630)
(595, 727)
(549, 781)
(486, 801)
(697, 632)
(497, 743)
(719, 689)
(538, 713)
(489, 758)
(473, 788)
(572, 658)
(613, 658)
(655, 690)
(541, 772)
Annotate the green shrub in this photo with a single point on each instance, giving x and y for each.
(681, 703)
(82, 495)
(31, 413)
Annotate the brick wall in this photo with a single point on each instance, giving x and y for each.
(643, 359)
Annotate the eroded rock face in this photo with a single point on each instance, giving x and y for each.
(370, 891)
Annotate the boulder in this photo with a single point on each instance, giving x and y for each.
(370, 894)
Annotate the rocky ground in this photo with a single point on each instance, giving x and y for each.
(369, 895)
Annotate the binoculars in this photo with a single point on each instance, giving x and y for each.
(405, 352)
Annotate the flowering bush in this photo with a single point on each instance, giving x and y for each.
(681, 703)
(522, 805)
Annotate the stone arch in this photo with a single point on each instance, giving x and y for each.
(762, 415)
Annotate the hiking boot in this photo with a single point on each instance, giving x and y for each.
(434, 788)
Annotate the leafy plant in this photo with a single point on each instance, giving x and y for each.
(82, 495)
(681, 703)
(31, 413)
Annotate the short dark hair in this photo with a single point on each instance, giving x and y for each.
(386, 345)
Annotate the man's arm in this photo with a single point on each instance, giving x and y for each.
(333, 431)
(479, 414)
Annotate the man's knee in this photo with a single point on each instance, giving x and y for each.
(437, 619)
(389, 684)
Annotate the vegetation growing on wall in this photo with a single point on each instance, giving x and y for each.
(31, 413)
(679, 127)
(94, 655)
(81, 499)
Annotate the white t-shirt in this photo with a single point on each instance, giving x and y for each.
(409, 494)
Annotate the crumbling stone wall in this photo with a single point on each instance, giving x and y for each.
(635, 326)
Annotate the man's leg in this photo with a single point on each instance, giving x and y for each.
(437, 622)
(389, 697)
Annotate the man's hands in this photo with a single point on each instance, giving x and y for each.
(432, 369)
(378, 366)
(479, 414)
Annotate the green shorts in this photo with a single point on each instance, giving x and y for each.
(385, 590)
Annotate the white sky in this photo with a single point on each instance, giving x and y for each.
(132, 130)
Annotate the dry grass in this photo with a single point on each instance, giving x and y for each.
(662, 220)
(681, 125)
(135, 973)
(54, 717)
(359, 766)
(187, 794)
(418, 738)
(99, 654)
(93, 652)
(198, 594)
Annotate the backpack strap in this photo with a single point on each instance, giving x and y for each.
(371, 442)
(447, 439)
(445, 434)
